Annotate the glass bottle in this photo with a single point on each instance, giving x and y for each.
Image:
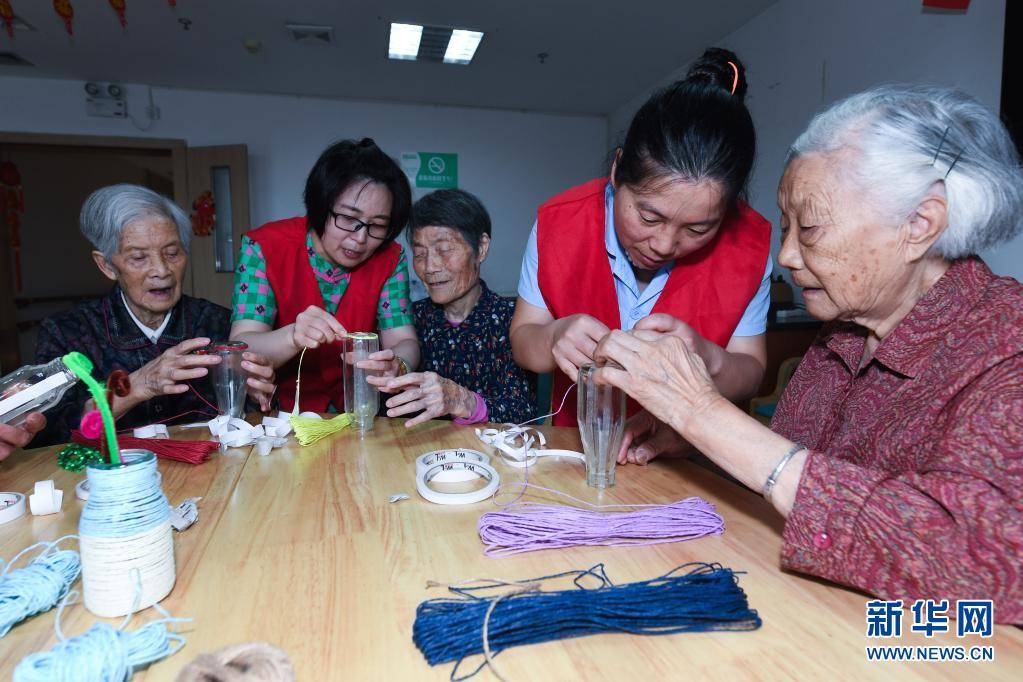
(33, 388)
(601, 416)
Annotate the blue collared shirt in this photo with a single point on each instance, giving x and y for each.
(633, 304)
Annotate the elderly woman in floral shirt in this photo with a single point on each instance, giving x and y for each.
(896, 452)
(468, 369)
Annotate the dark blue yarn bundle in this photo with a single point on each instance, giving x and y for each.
(694, 597)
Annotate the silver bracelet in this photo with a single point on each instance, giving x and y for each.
(773, 478)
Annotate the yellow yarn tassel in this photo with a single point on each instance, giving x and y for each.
(308, 430)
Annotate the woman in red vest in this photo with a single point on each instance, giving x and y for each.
(664, 244)
(303, 282)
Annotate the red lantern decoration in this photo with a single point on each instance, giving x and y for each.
(119, 7)
(204, 215)
(172, 3)
(12, 201)
(66, 12)
(7, 16)
(962, 5)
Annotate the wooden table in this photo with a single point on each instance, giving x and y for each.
(302, 549)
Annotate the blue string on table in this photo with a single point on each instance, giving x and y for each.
(39, 586)
(694, 597)
(102, 653)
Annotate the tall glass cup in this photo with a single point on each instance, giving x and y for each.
(228, 376)
(601, 416)
(361, 398)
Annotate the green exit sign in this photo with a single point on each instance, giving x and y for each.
(431, 170)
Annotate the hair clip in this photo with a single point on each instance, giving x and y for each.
(954, 162)
(735, 80)
(940, 145)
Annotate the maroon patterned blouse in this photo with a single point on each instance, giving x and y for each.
(913, 488)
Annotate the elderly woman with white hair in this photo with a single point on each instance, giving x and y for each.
(896, 452)
(145, 326)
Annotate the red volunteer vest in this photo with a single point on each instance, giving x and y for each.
(708, 289)
(294, 285)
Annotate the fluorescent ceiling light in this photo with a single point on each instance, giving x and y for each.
(462, 46)
(404, 43)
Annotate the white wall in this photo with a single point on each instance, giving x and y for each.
(803, 54)
(513, 161)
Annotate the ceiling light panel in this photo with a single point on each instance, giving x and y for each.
(404, 42)
(433, 43)
(462, 46)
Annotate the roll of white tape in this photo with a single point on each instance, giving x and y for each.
(236, 439)
(12, 506)
(426, 461)
(218, 424)
(264, 445)
(278, 428)
(480, 469)
(151, 431)
(310, 415)
(46, 499)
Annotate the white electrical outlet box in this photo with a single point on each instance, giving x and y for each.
(107, 108)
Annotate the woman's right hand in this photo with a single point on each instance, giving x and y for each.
(12, 437)
(315, 326)
(575, 339)
(646, 438)
(170, 373)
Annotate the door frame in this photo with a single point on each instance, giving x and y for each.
(177, 148)
(179, 159)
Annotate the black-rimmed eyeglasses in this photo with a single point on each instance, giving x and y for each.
(352, 224)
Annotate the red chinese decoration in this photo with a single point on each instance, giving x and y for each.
(948, 4)
(119, 7)
(12, 202)
(172, 3)
(66, 12)
(204, 215)
(7, 16)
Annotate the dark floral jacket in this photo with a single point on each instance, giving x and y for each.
(103, 331)
(477, 354)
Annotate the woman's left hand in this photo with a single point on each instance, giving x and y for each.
(711, 353)
(384, 363)
(660, 372)
(261, 379)
(427, 391)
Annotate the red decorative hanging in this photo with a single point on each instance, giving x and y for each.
(66, 12)
(948, 4)
(7, 16)
(172, 3)
(12, 201)
(119, 7)
(204, 214)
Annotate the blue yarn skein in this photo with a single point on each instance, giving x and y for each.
(37, 587)
(694, 597)
(101, 654)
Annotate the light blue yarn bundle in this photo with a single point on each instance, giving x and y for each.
(102, 653)
(37, 587)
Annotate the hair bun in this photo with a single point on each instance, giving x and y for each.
(721, 68)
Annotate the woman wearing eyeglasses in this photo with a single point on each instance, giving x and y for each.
(303, 282)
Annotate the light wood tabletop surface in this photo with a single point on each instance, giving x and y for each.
(302, 549)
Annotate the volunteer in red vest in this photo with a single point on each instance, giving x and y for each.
(663, 244)
(303, 282)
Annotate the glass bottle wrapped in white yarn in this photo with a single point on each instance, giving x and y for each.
(126, 540)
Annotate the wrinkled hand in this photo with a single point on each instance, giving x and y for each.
(646, 438)
(384, 363)
(711, 353)
(575, 340)
(427, 391)
(315, 326)
(660, 372)
(13, 437)
(261, 381)
(170, 373)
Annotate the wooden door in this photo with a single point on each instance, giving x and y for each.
(223, 172)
